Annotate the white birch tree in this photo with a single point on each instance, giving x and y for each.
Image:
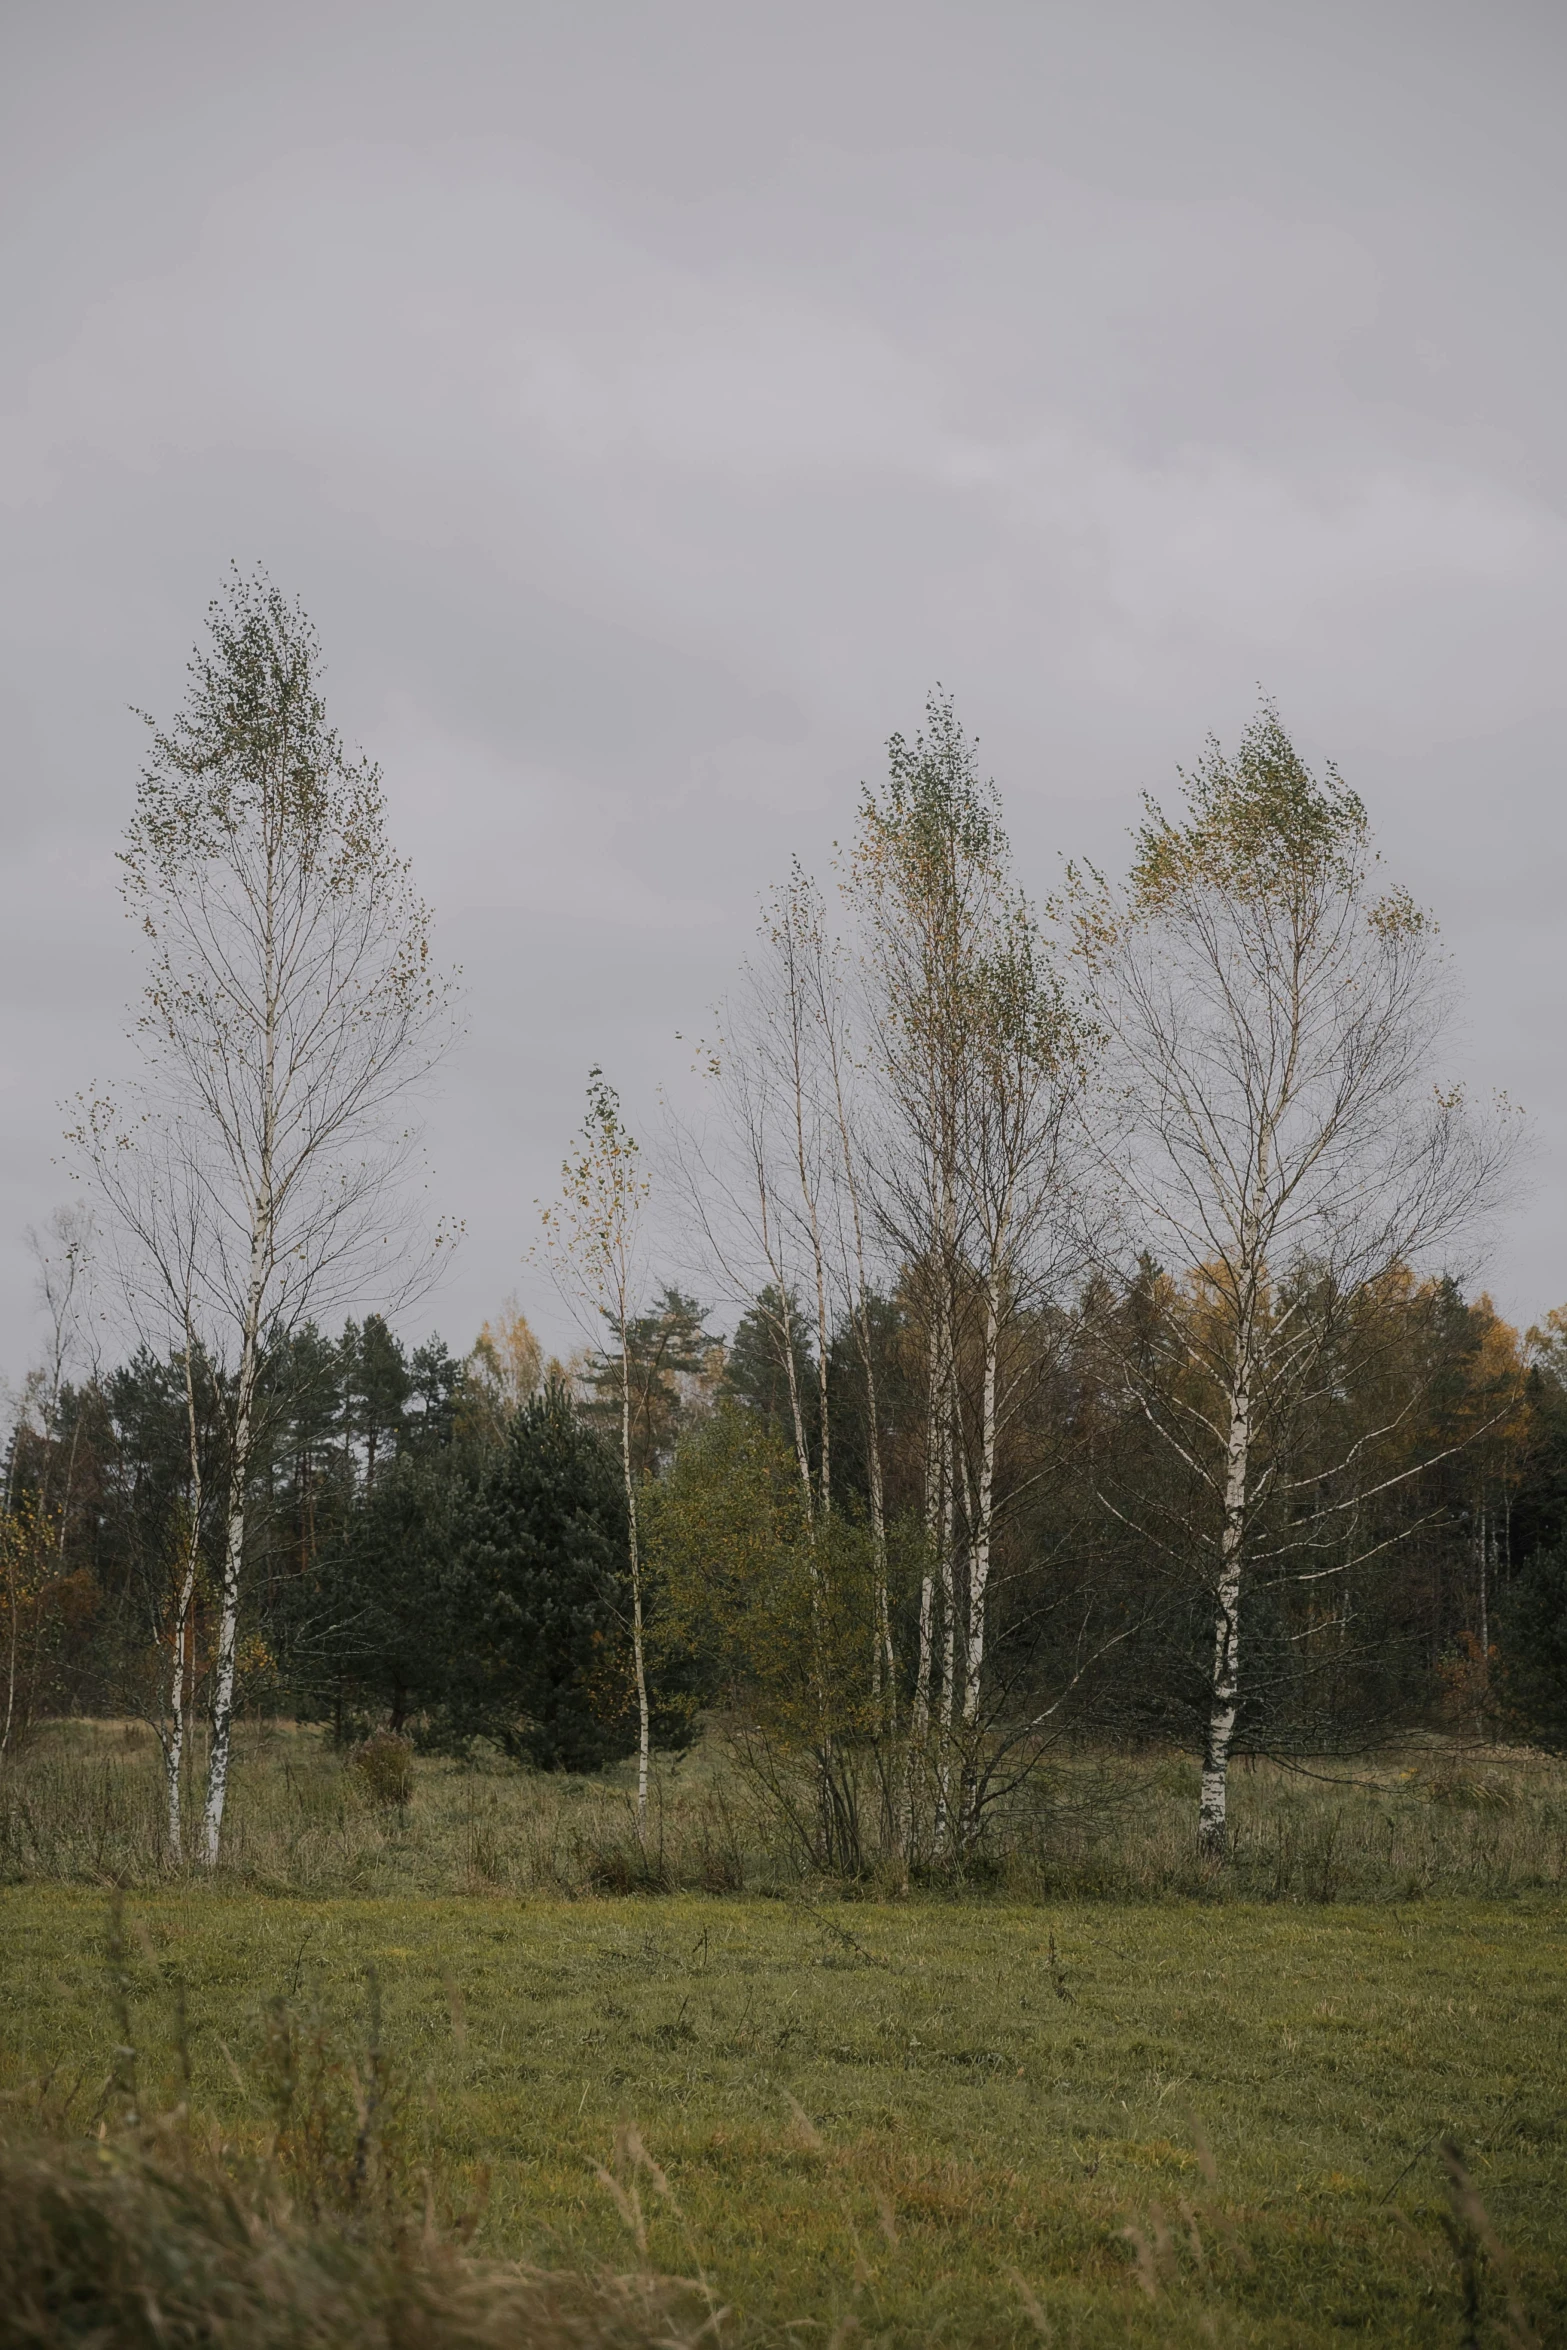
(979, 1054)
(291, 1006)
(1271, 1128)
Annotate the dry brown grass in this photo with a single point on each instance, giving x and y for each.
(83, 1805)
(125, 2242)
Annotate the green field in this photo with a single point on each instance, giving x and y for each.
(937, 2118)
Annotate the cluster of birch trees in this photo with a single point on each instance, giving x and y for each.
(1214, 1090)
(1195, 1121)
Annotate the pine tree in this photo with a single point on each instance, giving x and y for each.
(541, 1596)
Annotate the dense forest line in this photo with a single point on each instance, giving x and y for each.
(437, 1547)
(1095, 1363)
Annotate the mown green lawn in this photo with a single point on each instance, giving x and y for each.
(909, 2116)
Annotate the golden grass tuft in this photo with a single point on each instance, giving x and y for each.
(134, 2244)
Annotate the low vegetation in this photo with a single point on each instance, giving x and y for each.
(82, 1805)
(140, 2241)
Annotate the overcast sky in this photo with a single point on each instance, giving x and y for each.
(650, 403)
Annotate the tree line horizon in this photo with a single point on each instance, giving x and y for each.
(1101, 1359)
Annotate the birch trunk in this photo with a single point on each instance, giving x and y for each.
(175, 1750)
(261, 1266)
(220, 1756)
(638, 1653)
(934, 1512)
(947, 1585)
(948, 1572)
(979, 1562)
(979, 1565)
(1224, 1693)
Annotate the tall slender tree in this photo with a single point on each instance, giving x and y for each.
(291, 1005)
(593, 1234)
(1271, 1127)
(980, 1054)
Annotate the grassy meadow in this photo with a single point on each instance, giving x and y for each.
(942, 2120)
(1123, 2106)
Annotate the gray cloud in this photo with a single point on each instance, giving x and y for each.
(650, 403)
